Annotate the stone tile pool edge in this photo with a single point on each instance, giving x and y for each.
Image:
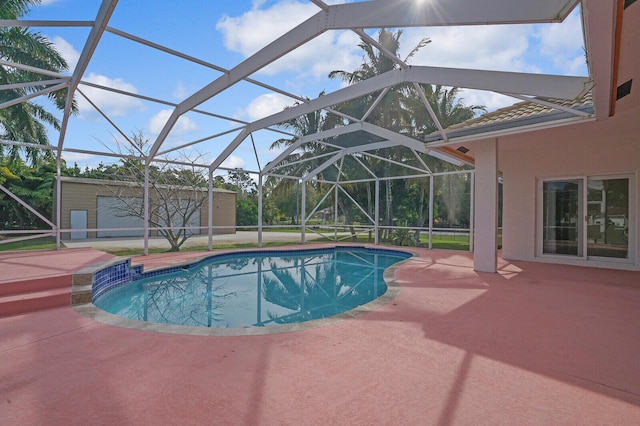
(83, 293)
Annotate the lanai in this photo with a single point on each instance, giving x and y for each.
(601, 26)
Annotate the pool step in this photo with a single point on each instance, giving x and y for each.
(20, 297)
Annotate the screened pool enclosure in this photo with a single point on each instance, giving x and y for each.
(352, 177)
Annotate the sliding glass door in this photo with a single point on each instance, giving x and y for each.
(562, 210)
(608, 218)
(586, 217)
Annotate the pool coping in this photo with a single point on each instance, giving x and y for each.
(89, 310)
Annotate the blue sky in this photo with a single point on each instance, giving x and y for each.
(226, 32)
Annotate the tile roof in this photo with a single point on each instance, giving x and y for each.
(517, 115)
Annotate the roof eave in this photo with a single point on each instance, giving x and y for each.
(484, 133)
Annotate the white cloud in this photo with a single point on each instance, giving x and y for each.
(68, 52)
(265, 105)
(82, 160)
(563, 44)
(233, 162)
(180, 91)
(112, 104)
(182, 126)
(334, 50)
(256, 28)
(498, 47)
(490, 100)
(549, 48)
(255, 4)
(501, 48)
(71, 157)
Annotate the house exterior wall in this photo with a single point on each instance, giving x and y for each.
(607, 146)
(611, 146)
(82, 194)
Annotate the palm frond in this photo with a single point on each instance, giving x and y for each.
(417, 48)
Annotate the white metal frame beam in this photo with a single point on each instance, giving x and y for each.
(411, 13)
(392, 139)
(599, 20)
(104, 14)
(36, 70)
(311, 138)
(543, 85)
(278, 48)
(550, 105)
(43, 23)
(32, 84)
(28, 96)
(173, 104)
(27, 206)
(374, 14)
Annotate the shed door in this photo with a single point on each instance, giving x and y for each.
(114, 212)
(78, 221)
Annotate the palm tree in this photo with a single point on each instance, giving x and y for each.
(10, 9)
(449, 109)
(310, 123)
(26, 121)
(447, 105)
(307, 124)
(402, 110)
(390, 112)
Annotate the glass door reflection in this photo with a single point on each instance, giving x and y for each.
(608, 218)
(562, 210)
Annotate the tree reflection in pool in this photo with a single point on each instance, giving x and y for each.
(257, 289)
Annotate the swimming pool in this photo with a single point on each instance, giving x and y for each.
(256, 289)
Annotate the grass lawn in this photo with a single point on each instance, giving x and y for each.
(446, 242)
(43, 243)
(139, 252)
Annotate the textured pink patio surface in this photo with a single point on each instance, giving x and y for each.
(25, 265)
(534, 344)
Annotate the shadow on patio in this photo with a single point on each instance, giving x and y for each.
(535, 344)
(570, 324)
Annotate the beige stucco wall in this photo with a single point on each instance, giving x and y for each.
(224, 212)
(611, 146)
(607, 146)
(80, 195)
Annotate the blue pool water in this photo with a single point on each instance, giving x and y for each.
(257, 289)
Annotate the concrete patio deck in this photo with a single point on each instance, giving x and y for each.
(533, 344)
